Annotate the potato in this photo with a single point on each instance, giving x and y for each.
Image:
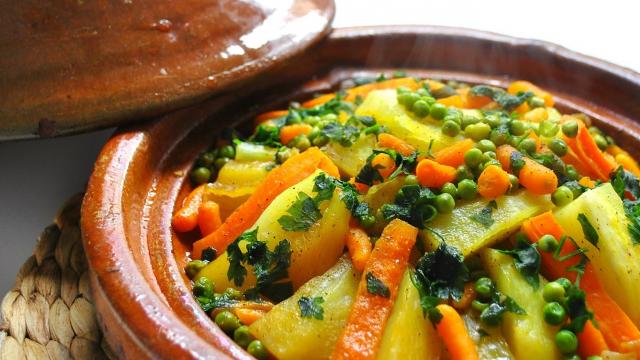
(351, 159)
(616, 260)
(491, 345)
(529, 336)
(408, 333)
(383, 106)
(287, 335)
(313, 251)
(460, 230)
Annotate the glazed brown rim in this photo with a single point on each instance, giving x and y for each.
(149, 317)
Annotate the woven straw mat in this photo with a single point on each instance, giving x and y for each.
(49, 314)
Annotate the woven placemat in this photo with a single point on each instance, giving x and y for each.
(49, 314)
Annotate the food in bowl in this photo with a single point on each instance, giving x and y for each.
(412, 218)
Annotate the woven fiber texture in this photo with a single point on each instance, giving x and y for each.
(49, 314)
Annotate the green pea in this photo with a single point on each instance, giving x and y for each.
(445, 203)
(484, 287)
(257, 350)
(227, 151)
(463, 172)
(562, 196)
(233, 294)
(203, 287)
(429, 100)
(207, 158)
(321, 140)
(558, 146)
(478, 306)
(453, 114)
(408, 99)
(601, 142)
(515, 183)
(553, 292)
(423, 92)
(572, 174)
(527, 145)
(469, 119)
(500, 136)
(554, 313)
(411, 180)
(220, 162)
(420, 108)
(242, 336)
(301, 142)
(610, 140)
(593, 130)
(517, 127)
(566, 341)
(477, 131)
(594, 357)
(450, 128)
(467, 189)
(492, 120)
(438, 111)
(473, 157)
(486, 145)
(548, 128)
(193, 267)
(536, 102)
(488, 156)
(367, 221)
(566, 283)
(450, 189)
(200, 175)
(548, 243)
(227, 321)
(570, 128)
(491, 315)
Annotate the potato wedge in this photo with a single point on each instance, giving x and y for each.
(489, 341)
(350, 160)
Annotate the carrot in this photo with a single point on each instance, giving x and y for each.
(274, 114)
(618, 331)
(472, 101)
(467, 297)
(209, 219)
(364, 90)
(359, 246)
(384, 163)
(454, 100)
(433, 175)
(289, 132)
(248, 316)
(602, 165)
(393, 142)
(628, 163)
(522, 109)
(587, 182)
(370, 310)
(186, 219)
(572, 158)
(454, 335)
(533, 176)
(360, 187)
(524, 86)
(493, 182)
(291, 172)
(591, 341)
(453, 155)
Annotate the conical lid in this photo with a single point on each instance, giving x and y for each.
(68, 66)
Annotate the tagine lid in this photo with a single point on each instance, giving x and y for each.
(73, 66)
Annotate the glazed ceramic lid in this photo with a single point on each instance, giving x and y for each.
(70, 66)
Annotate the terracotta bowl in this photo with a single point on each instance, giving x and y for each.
(142, 296)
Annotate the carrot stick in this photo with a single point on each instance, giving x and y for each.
(467, 297)
(248, 316)
(289, 132)
(209, 219)
(474, 102)
(291, 172)
(274, 114)
(364, 90)
(616, 328)
(186, 219)
(533, 176)
(455, 101)
(454, 334)
(524, 86)
(359, 246)
(453, 155)
(370, 311)
(392, 142)
(602, 164)
(493, 182)
(433, 175)
(591, 341)
(384, 163)
(572, 158)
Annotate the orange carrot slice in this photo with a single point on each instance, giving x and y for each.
(384, 163)
(186, 219)
(535, 177)
(524, 86)
(392, 142)
(291, 172)
(269, 115)
(433, 175)
(493, 182)
(453, 155)
(359, 246)
(370, 310)
(209, 219)
(289, 132)
(454, 334)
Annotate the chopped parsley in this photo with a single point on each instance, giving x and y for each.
(311, 307)
(369, 174)
(577, 309)
(484, 216)
(526, 260)
(589, 231)
(375, 286)
(517, 162)
(413, 204)
(303, 213)
(443, 272)
(627, 185)
(507, 101)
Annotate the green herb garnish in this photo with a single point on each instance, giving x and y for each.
(376, 287)
(311, 307)
(589, 231)
(507, 101)
(526, 260)
(303, 213)
(484, 216)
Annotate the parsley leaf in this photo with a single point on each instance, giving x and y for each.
(369, 174)
(484, 216)
(413, 205)
(517, 162)
(589, 231)
(442, 273)
(527, 261)
(507, 101)
(311, 307)
(376, 287)
(302, 214)
(624, 181)
(236, 271)
(577, 309)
